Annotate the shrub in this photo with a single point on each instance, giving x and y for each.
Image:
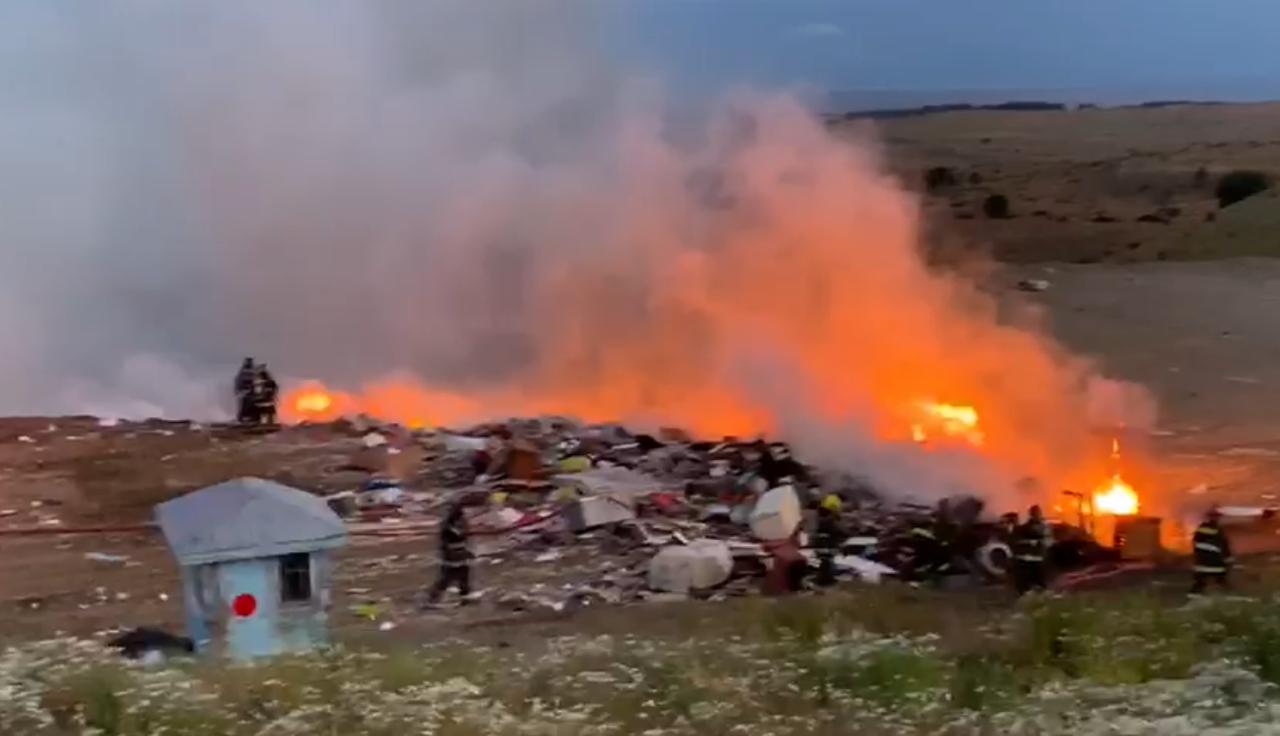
(1236, 186)
(996, 207)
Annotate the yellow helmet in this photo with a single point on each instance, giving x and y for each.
(831, 502)
(498, 498)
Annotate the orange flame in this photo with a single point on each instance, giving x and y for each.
(950, 420)
(1115, 496)
(313, 402)
(797, 305)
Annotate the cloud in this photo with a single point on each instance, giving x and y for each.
(817, 29)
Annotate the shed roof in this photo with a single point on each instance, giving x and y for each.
(245, 518)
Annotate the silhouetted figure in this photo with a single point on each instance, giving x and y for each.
(1030, 541)
(265, 391)
(245, 378)
(455, 556)
(1212, 553)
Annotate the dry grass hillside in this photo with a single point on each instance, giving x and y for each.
(1092, 185)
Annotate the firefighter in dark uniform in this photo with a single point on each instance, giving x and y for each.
(1029, 543)
(244, 392)
(926, 552)
(265, 391)
(1212, 553)
(827, 539)
(455, 556)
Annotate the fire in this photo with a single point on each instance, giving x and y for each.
(316, 401)
(311, 401)
(782, 293)
(951, 420)
(1115, 496)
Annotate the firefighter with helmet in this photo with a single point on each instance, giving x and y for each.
(1029, 543)
(927, 555)
(1212, 553)
(827, 538)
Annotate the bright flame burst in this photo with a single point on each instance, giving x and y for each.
(312, 402)
(1115, 496)
(950, 420)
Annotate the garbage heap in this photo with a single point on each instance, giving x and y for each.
(669, 515)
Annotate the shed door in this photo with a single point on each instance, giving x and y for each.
(251, 598)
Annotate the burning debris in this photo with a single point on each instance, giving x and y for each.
(710, 518)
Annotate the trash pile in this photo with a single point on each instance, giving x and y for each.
(664, 515)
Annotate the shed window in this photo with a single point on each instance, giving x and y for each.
(295, 577)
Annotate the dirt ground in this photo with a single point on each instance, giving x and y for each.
(1200, 333)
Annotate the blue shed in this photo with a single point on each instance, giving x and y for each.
(255, 558)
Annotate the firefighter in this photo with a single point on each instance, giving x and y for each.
(455, 556)
(1212, 553)
(1007, 526)
(925, 551)
(244, 391)
(827, 538)
(1030, 541)
(265, 390)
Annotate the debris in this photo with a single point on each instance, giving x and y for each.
(594, 511)
(1033, 285)
(867, 570)
(460, 443)
(497, 518)
(369, 611)
(993, 559)
(574, 464)
(550, 555)
(25, 439)
(777, 515)
(373, 439)
(141, 642)
(386, 626)
(379, 492)
(103, 557)
(703, 563)
(343, 503)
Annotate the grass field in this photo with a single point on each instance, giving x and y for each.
(872, 661)
(1119, 185)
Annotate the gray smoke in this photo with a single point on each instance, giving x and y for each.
(337, 188)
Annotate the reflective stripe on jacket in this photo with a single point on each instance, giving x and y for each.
(1211, 550)
(1028, 541)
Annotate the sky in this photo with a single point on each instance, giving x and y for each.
(1156, 48)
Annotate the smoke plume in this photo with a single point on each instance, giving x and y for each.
(453, 210)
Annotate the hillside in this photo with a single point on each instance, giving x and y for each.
(1117, 185)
